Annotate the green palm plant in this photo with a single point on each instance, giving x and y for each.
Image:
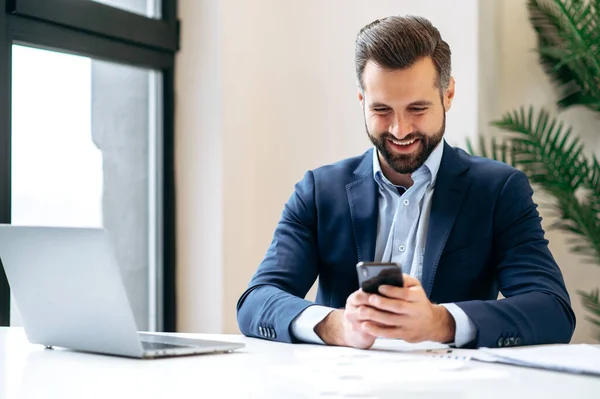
(568, 34)
(545, 148)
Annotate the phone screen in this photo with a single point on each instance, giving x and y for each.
(372, 275)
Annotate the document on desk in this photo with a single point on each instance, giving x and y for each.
(391, 368)
(573, 358)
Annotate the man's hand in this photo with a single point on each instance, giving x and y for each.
(336, 329)
(342, 327)
(403, 313)
(406, 313)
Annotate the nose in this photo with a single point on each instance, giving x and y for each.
(401, 127)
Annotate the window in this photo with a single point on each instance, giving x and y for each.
(89, 120)
(148, 8)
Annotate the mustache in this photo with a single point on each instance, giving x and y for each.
(416, 135)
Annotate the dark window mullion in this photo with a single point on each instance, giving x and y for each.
(5, 155)
(169, 305)
(169, 11)
(169, 15)
(54, 37)
(102, 19)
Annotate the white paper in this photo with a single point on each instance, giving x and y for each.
(580, 358)
(391, 368)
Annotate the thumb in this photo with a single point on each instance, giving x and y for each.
(410, 281)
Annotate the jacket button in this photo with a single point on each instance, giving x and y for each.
(273, 334)
(261, 331)
(511, 341)
(517, 341)
(500, 342)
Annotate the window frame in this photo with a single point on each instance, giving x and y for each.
(103, 20)
(86, 28)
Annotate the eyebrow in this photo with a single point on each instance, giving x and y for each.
(420, 103)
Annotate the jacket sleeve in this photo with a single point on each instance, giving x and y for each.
(274, 296)
(536, 308)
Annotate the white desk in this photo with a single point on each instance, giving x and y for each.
(265, 370)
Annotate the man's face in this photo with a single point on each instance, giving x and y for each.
(405, 114)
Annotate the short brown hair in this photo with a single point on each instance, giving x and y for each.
(398, 42)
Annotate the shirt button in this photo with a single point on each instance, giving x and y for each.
(401, 248)
(406, 202)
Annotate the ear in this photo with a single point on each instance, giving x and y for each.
(449, 94)
(360, 97)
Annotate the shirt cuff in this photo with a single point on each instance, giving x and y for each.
(466, 331)
(303, 326)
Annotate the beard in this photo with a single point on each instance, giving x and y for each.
(408, 163)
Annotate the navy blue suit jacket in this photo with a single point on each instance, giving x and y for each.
(484, 236)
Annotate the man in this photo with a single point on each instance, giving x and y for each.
(463, 228)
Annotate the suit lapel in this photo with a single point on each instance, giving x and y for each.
(362, 198)
(450, 188)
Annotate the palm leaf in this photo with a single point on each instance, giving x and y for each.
(591, 301)
(550, 155)
(569, 48)
(494, 150)
(592, 182)
(546, 150)
(568, 33)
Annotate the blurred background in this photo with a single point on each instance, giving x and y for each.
(187, 153)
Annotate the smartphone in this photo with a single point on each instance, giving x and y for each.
(371, 275)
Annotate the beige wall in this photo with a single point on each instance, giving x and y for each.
(266, 90)
(198, 168)
(521, 81)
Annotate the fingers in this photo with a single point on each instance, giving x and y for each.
(411, 292)
(367, 313)
(395, 293)
(358, 298)
(399, 312)
(381, 331)
(387, 304)
(400, 332)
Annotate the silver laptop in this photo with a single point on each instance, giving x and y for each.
(69, 292)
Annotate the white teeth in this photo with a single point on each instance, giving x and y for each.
(398, 142)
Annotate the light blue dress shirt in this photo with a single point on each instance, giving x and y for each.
(401, 235)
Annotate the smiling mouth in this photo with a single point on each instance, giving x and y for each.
(404, 146)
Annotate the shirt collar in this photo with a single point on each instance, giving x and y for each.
(432, 165)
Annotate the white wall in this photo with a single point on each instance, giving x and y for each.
(266, 90)
(520, 80)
